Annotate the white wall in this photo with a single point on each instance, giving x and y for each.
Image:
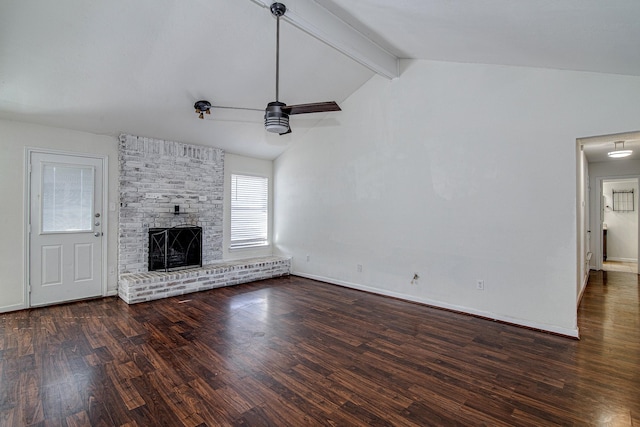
(14, 138)
(599, 171)
(458, 172)
(235, 164)
(622, 227)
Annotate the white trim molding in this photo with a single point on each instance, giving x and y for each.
(617, 259)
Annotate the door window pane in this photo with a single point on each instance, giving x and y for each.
(67, 198)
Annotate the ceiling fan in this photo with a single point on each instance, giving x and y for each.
(276, 115)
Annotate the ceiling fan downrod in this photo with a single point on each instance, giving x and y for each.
(278, 10)
(276, 120)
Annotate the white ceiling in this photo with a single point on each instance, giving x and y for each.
(114, 66)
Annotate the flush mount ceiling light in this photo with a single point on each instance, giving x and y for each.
(619, 151)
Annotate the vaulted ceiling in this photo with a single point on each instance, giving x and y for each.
(114, 66)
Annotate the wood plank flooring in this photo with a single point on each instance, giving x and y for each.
(295, 352)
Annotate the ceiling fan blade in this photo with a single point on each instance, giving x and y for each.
(316, 107)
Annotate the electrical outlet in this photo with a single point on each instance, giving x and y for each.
(480, 285)
(359, 268)
(308, 258)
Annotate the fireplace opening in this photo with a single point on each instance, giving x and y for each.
(175, 248)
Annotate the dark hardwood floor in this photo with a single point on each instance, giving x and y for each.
(294, 352)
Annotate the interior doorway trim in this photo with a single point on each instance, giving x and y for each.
(29, 151)
(600, 219)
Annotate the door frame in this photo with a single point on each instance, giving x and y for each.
(29, 151)
(600, 219)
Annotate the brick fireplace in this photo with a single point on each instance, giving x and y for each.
(167, 184)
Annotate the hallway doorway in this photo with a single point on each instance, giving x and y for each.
(619, 213)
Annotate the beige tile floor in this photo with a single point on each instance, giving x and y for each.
(628, 267)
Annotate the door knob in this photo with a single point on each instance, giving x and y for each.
(97, 215)
(97, 234)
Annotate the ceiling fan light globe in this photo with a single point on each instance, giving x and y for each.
(277, 126)
(276, 120)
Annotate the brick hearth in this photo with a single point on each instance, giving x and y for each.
(140, 287)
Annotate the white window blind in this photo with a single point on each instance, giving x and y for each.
(249, 210)
(67, 198)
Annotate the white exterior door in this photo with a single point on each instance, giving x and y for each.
(65, 228)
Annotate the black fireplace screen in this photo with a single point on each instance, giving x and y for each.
(175, 248)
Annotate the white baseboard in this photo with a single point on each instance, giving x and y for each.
(573, 333)
(616, 259)
(13, 307)
(584, 286)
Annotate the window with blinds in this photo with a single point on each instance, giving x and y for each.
(249, 211)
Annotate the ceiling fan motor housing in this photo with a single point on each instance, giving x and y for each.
(276, 120)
